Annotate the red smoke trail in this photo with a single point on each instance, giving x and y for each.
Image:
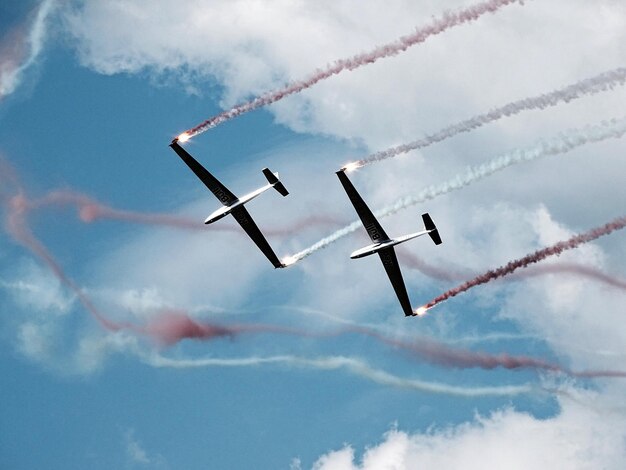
(438, 25)
(172, 326)
(17, 227)
(443, 355)
(535, 257)
(90, 210)
(446, 356)
(575, 269)
(602, 82)
(168, 327)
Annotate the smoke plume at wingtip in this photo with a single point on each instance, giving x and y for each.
(539, 255)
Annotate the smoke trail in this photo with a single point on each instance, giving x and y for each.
(563, 143)
(172, 326)
(589, 86)
(576, 269)
(438, 25)
(355, 366)
(10, 75)
(18, 228)
(443, 355)
(527, 260)
(90, 210)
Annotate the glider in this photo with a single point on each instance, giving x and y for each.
(383, 245)
(234, 205)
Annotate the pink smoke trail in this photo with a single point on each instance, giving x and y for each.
(532, 258)
(438, 25)
(90, 210)
(167, 328)
(17, 227)
(172, 326)
(451, 274)
(446, 356)
(589, 86)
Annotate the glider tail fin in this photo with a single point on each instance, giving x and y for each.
(432, 229)
(272, 178)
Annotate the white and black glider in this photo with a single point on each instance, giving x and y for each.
(234, 205)
(383, 245)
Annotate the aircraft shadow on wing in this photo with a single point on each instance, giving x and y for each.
(234, 205)
(383, 245)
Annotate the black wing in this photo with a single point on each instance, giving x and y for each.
(221, 192)
(390, 262)
(242, 216)
(374, 230)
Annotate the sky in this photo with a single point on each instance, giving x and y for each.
(134, 336)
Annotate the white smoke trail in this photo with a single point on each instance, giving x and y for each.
(589, 86)
(563, 143)
(355, 366)
(10, 77)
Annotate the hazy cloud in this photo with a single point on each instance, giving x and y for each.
(19, 51)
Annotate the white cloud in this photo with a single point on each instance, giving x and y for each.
(14, 65)
(36, 290)
(137, 456)
(577, 438)
(36, 341)
(134, 450)
(250, 46)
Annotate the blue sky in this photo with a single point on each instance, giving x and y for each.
(92, 94)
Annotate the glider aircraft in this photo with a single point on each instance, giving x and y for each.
(234, 205)
(383, 245)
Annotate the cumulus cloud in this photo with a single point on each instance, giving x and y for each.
(577, 438)
(249, 47)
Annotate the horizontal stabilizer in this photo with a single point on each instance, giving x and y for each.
(432, 229)
(272, 178)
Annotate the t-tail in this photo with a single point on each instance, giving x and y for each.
(432, 229)
(272, 178)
